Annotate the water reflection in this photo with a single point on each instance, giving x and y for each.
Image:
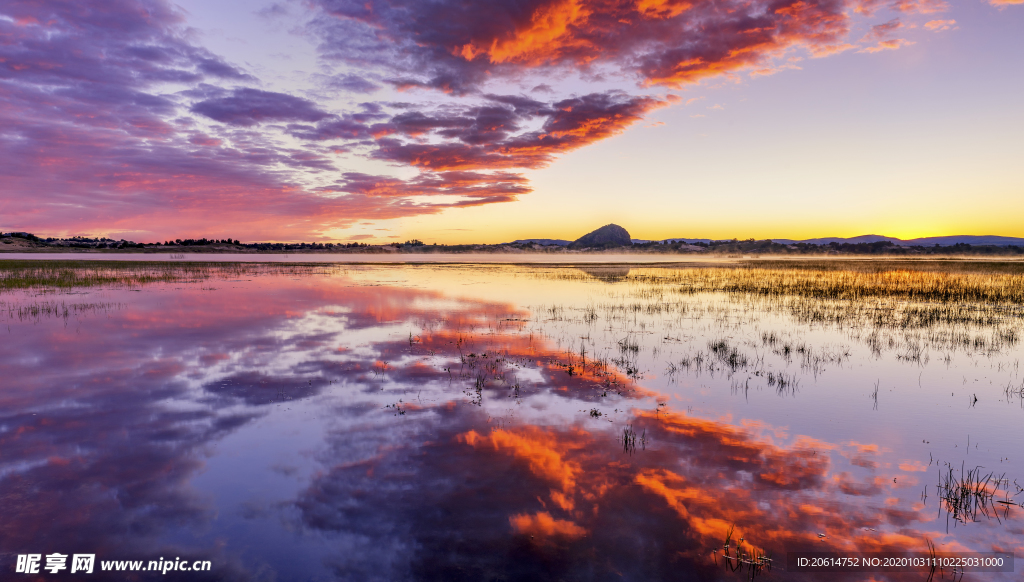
(396, 425)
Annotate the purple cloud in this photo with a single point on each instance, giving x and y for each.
(248, 107)
(352, 84)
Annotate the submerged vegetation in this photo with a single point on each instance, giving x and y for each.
(52, 309)
(752, 562)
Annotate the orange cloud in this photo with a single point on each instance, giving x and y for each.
(662, 8)
(912, 466)
(582, 32)
(541, 524)
(863, 448)
(542, 39)
(544, 460)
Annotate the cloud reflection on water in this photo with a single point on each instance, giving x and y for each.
(484, 465)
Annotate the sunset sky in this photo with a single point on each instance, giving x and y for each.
(491, 120)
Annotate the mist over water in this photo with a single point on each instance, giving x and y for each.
(432, 422)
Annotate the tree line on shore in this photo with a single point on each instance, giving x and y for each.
(733, 246)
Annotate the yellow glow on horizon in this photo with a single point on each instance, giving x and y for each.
(527, 219)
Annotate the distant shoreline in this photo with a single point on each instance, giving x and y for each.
(498, 251)
(543, 259)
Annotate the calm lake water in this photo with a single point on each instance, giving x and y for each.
(385, 258)
(432, 422)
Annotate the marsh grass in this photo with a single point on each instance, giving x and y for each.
(915, 309)
(65, 275)
(37, 310)
(857, 285)
(946, 281)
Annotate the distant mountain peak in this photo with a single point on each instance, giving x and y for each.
(608, 236)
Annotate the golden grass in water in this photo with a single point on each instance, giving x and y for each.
(914, 285)
(946, 281)
(60, 275)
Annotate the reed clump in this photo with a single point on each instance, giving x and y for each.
(630, 439)
(971, 493)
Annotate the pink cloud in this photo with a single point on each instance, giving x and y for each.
(885, 29)
(940, 25)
